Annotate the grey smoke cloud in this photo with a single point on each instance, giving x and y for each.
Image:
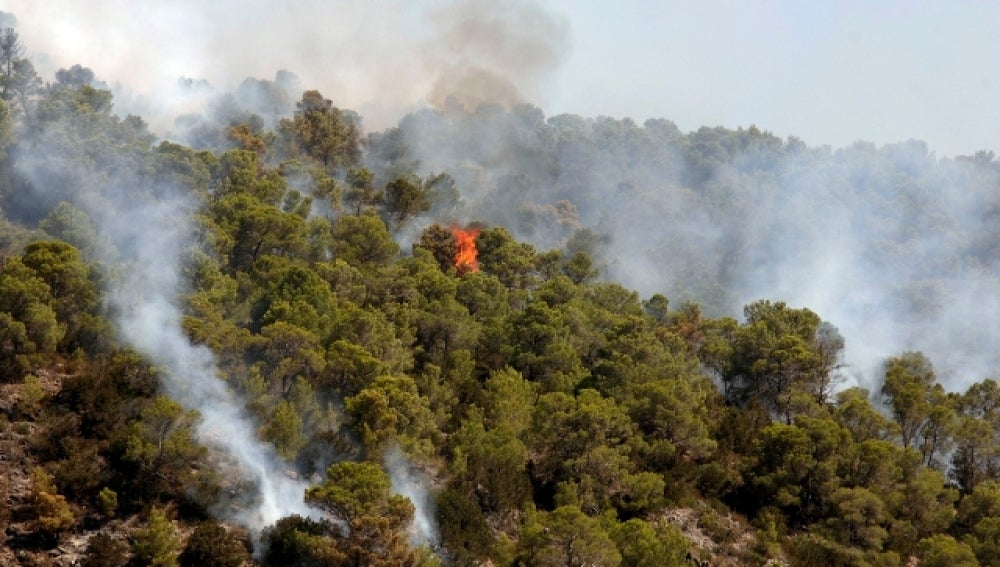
(382, 58)
(492, 52)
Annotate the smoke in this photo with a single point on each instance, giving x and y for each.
(8, 20)
(894, 246)
(483, 52)
(383, 58)
(882, 242)
(144, 231)
(407, 482)
(150, 320)
(174, 63)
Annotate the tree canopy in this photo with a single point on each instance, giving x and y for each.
(551, 415)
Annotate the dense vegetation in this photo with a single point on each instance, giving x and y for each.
(559, 418)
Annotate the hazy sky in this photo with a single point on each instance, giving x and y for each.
(829, 72)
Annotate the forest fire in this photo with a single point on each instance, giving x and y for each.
(465, 253)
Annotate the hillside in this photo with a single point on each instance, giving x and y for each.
(277, 339)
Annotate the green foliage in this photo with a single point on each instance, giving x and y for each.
(109, 391)
(509, 401)
(14, 346)
(241, 172)
(297, 297)
(511, 262)
(107, 501)
(160, 445)
(982, 503)
(587, 442)
(284, 430)
(859, 519)
(923, 506)
(440, 242)
(943, 551)
(580, 269)
(560, 418)
(71, 225)
(796, 466)
(405, 198)
(811, 549)
(53, 514)
(361, 194)
(351, 367)
(358, 494)
(494, 462)
(104, 550)
(27, 298)
(157, 544)
(856, 413)
(392, 410)
(181, 167)
(32, 395)
(642, 543)
(676, 411)
(248, 229)
(290, 351)
(976, 458)
(21, 84)
(362, 240)
(907, 381)
(52, 291)
(780, 352)
(463, 526)
(322, 132)
(210, 545)
(567, 536)
(302, 541)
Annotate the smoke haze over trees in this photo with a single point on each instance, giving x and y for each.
(257, 312)
(892, 244)
(737, 208)
(831, 75)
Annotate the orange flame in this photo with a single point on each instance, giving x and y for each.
(465, 256)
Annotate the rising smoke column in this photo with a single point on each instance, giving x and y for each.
(491, 52)
(407, 482)
(144, 232)
(150, 320)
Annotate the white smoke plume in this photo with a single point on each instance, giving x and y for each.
(143, 234)
(150, 320)
(410, 483)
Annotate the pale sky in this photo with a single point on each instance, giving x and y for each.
(829, 72)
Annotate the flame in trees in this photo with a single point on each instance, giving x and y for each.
(465, 255)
